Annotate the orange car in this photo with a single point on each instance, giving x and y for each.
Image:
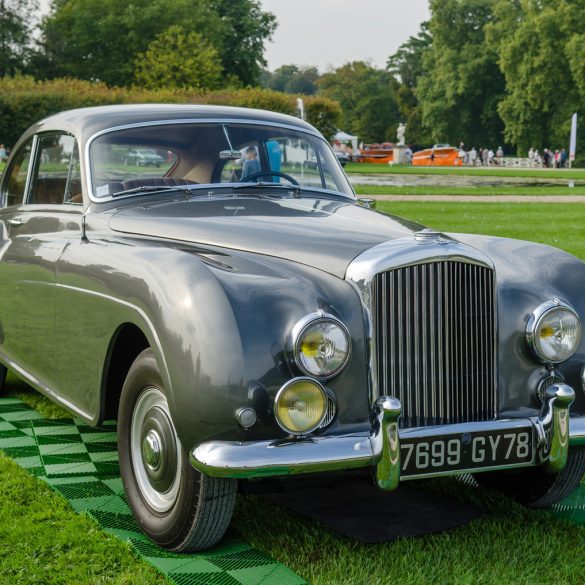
(441, 155)
(377, 153)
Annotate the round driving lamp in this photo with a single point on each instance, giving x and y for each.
(554, 332)
(300, 406)
(321, 345)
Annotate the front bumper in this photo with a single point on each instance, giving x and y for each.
(380, 448)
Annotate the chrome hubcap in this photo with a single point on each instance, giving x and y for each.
(151, 450)
(156, 451)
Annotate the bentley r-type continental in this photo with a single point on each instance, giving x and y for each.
(242, 315)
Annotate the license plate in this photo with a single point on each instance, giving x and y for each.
(466, 451)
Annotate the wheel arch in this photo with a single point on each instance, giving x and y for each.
(127, 342)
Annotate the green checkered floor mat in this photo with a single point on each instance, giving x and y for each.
(573, 507)
(81, 463)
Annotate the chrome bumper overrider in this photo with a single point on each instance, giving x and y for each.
(380, 448)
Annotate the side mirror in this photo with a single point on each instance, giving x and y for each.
(369, 203)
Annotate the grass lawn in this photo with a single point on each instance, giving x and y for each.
(555, 224)
(466, 171)
(467, 191)
(43, 541)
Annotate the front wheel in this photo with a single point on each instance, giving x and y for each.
(534, 486)
(176, 506)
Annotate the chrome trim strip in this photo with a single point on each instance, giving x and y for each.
(44, 388)
(89, 181)
(141, 312)
(31, 169)
(400, 253)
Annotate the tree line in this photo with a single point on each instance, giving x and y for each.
(486, 72)
(152, 43)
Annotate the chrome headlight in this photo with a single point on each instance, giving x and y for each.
(300, 406)
(554, 332)
(321, 345)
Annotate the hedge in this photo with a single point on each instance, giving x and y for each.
(24, 100)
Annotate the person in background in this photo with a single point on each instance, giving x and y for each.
(545, 158)
(251, 164)
(490, 157)
(462, 155)
(499, 156)
(472, 156)
(408, 155)
(531, 156)
(3, 153)
(563, 158)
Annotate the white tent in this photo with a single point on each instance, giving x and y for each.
(344, 137)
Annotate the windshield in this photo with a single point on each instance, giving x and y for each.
(189, 154)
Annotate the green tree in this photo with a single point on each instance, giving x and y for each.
(407, 67)
(16, 26)
(541, 52)
(462, 85)
(292, 79)
(179, 59)
(367, 98)
(101, 39)
(244, 31)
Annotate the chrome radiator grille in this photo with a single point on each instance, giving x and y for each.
(434, 328)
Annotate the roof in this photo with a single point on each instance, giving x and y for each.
(85, 122)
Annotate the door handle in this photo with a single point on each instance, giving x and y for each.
(15, 222)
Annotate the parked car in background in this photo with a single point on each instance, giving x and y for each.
(144, 157)
(342, 157)
(438, 155)
(267, 324)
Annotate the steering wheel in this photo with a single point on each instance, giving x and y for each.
(269, 173)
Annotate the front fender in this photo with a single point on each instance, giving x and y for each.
(244, 309)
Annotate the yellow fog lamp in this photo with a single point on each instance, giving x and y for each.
(300, 406)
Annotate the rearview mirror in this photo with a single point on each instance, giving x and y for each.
(230, 155)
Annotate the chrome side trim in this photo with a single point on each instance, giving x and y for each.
(138, 310)
(401, 253)
(43, 388)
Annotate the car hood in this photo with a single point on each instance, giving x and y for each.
(321, 233)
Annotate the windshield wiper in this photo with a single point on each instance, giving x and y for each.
(296, 189)
(155, 189)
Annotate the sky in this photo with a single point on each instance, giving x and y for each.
(328, 33)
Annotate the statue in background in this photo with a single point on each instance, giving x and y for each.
(400, 133)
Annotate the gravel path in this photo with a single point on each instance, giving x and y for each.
(481, 198)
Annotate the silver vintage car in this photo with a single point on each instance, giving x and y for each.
(242, 315)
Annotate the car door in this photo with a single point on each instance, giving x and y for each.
(37, 235)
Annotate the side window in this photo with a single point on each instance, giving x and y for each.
(56, 176)
(18, 171)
